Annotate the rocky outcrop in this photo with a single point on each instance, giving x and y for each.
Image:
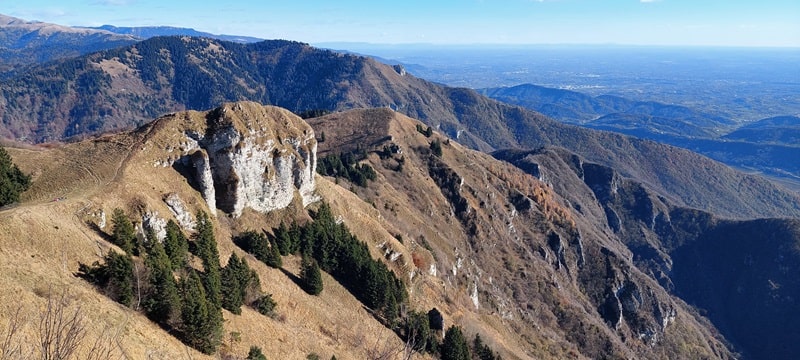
(245, 155)
(180, 212)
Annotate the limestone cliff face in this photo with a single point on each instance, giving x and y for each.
(244, 155)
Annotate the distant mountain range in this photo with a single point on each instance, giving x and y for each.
(776, 130)
(146, 32)
(24, 43)
(770, 146)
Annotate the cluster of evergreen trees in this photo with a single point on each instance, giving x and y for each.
(456, 347)
(347, 166)
(187, 301)
(329, 246)
(12, 181)
(428, 132)
(313, 113)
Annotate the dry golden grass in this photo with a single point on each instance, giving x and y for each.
(42, 241)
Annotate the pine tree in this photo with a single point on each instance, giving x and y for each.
(265, 305)
(265, 250)
(114, 276)
(123, 234)
(162, 304)
(232, 287)
(436, 148)
(295, 232)
(208, 253)
(310, 276)
(274, 255)
(120, 270)
(417, 330)
(482, 351)
(255, 354)
(12, 181)
(200, 327)
(251, 284)
(455, 345)
(283, 239)
(176, 246)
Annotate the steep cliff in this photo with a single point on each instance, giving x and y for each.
(737, 273)
(488, 241)
(240, 155)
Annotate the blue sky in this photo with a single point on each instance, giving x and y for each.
(635, 22)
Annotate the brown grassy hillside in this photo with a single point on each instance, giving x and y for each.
(499, 252)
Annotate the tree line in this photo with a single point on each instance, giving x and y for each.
(12, 181)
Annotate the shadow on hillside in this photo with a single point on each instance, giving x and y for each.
(187, 172)
(99, 231)
(292, 277)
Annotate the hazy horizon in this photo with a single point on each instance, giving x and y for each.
(770, 23)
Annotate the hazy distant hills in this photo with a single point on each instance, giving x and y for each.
(23, 43)
(575, 107)
(769, 146)
(780, 130)
(146, 32)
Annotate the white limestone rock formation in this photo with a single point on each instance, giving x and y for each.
(248, 156)
(180, 211)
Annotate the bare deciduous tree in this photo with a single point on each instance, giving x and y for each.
(58, 334)
(61, 330)
(11, 345)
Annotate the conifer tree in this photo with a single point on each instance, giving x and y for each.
(120, 286)
(176, 245)
(455, 345)
(310, 276)
(251, 284)
(294, 237)
(265, 305)
(232, 286)
(255, 354)
(114, 276)
(283, 239)
(274, 255)
(436, 148)
(417, 330)
(265, 250)
(123, 234)
(162, 303)
(482, 351)
(208, 253)
(12, 181)
(200, 327)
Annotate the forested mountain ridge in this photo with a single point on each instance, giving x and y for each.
(124, 87)
(26, 43)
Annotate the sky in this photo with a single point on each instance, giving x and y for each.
(766, 23)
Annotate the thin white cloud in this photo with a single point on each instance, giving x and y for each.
(114, 2)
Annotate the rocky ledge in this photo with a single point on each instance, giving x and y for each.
(243, 155)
